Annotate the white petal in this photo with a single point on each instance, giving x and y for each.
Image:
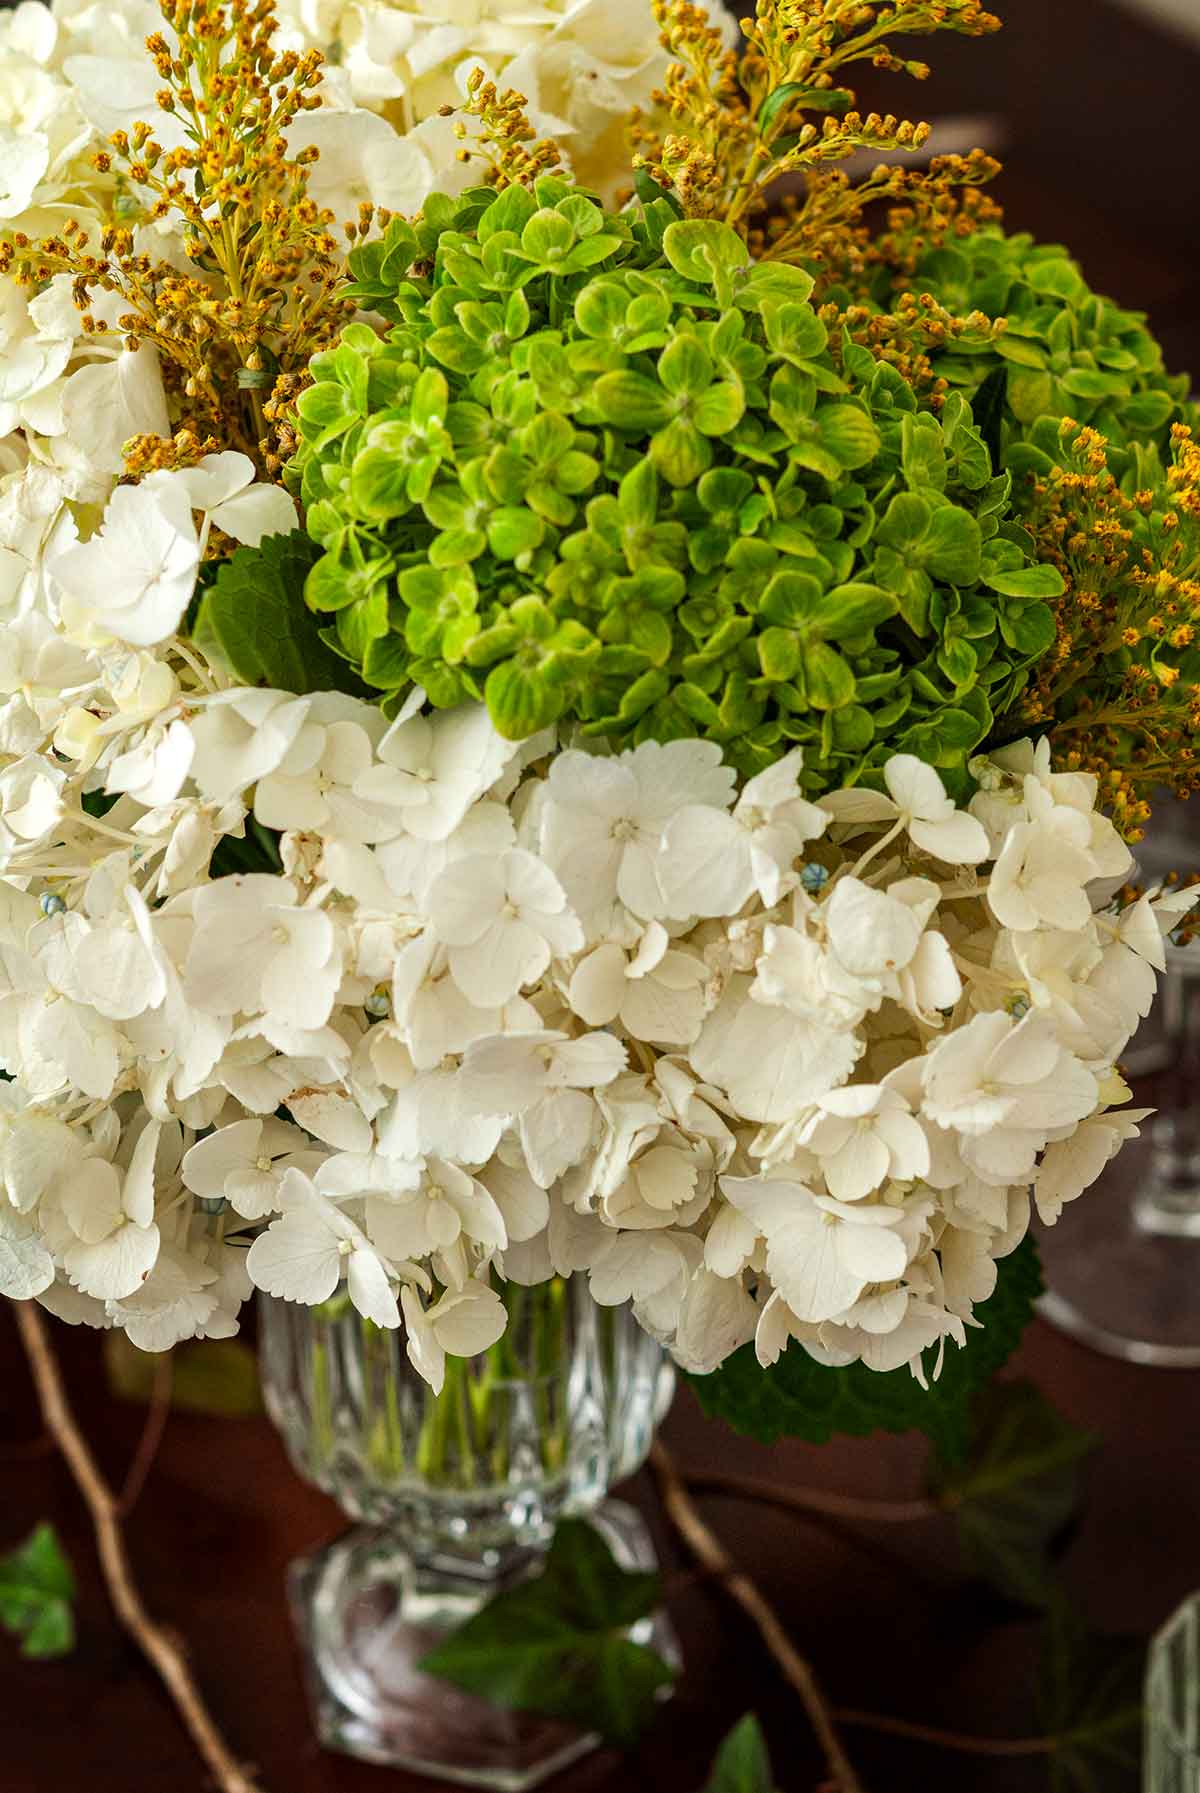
(331, 1117)
(261, 511)
(370, 1291)
(296, 1258)
(958, 839)
(26, 1267)
(597, 985)
(117, 1265)
(207, 1164)
(468, 1320)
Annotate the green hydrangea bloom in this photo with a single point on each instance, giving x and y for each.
(1065, 351)
(602, 468)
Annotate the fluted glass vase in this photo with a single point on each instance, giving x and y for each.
(454, 1495)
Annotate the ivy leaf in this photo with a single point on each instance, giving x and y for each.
(799, 1398)
(558, 1644)
(254, 619)
(1016, 1490)
(1091, 1704)
(742, 1764)
(37, 1587)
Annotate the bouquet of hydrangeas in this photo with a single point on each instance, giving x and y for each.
(562, 712)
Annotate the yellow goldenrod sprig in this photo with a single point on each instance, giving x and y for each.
(1131, 568)
(262, 292)
(505, 142)
(746, 130)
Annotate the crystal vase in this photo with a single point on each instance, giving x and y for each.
(454, 1495)
(1122, 1263)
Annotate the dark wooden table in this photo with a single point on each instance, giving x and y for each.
(1100, 115)
(900, 1632)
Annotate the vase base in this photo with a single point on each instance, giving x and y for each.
(364, 1623)
(1122, 1264)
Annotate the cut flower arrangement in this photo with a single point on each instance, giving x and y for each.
(589, 728)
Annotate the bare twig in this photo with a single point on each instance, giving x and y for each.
(158, 1646)
(708, 1550)
(152, 1433)
(810, 1500)
(956, 1740)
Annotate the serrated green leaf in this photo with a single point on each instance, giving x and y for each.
(558, 1644)
(799, 1398)
(742, 1764)
(1016, 1490)
(253, 619)
(37, 1587)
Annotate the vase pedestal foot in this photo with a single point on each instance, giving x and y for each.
(365, 1617)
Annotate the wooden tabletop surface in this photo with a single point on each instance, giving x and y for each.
(1099, 114)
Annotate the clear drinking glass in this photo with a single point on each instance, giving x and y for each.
(1122, 1264)
(1172, 1748)
(454, 1494)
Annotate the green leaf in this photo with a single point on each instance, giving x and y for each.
(511, 209)
(37, 1587)
(648, 190)
(988, 408)
(681, 453)
(803, 1399)
(1091, 1703)
(379, 484)
(558, 1644)
(849, 433)
(1147, 411)
(835, 100)
(546, 237)
(1040, 581)
(253, 619)
(952, 546)
(685, 367)
(922, 454)
(742, 1764)
(1016, 1490)
(1089, 383)
(631, 401)
(700, 248)
(1030, 395)
(850, 610)
(828, 681)
(521, 699)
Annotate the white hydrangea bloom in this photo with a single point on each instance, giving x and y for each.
(764, 1068)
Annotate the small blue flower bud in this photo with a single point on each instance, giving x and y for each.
(209, 1204)
(813, 878)
(378, 1005)
(51, 904)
